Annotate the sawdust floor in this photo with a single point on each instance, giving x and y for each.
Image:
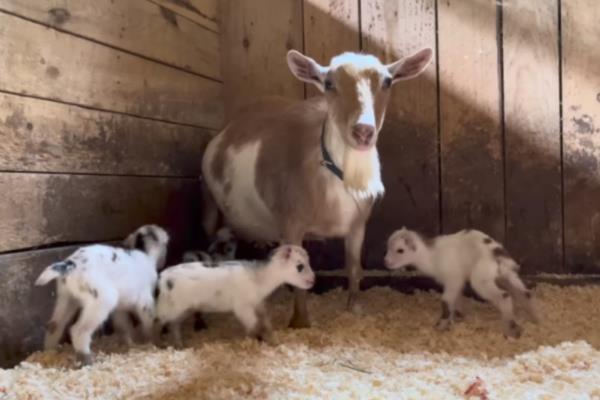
(391, 352)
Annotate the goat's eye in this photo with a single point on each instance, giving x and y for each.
(300, 267)
(400, 251)
(387, 82)
(328, 85)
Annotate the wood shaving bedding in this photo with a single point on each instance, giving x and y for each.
(390, 352)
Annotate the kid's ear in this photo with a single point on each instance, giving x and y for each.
(410, 243)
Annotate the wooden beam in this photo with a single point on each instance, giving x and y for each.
(44, 136)
(532, 134)
(140, 27)
(581, 139)
(471, 137)
(42, 209)
(42, 62)
(408, 142)
(254, 51)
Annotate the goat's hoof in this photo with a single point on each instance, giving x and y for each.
(266, 338)
(513, 330)
(84, 359)
(458, 316)
(354, 306)
(178, 345)
(299, 322)
(443, 325)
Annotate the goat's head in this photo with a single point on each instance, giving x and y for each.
(404, 248)
(357, 89)
(152, 240)
(292, 263)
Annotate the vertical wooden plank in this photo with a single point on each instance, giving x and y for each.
(408, 144)
(255, 37)
(581, 125)
(532, 134)
(330, 28)
(471, 138)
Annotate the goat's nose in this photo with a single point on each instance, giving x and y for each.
(363, 132)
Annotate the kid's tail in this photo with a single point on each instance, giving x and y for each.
(54, 271)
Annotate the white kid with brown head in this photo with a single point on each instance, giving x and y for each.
(287, 170)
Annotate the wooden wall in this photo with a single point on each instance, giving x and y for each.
(500, 134)
(105, 108)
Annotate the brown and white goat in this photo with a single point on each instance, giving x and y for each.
(284, 170)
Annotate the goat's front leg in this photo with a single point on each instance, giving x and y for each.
(353, 248)
(300, 317)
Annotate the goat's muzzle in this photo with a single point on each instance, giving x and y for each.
(363, 134)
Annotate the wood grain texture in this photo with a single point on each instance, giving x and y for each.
(202, 12)
(141, 27)
(40, 135)
(581, 141)
(408, 144)
(532, 134)
(471, 138)
(254, 50)
(331, 27)
(46, 209)
(43, 62)
(25, 308)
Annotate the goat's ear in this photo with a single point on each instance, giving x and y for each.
(306, 69)
(411, 66)
(140, 242)
(410, 242)
(129, 241)
(284, 252)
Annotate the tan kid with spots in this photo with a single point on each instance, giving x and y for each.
(455, 259)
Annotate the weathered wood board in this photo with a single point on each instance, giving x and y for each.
(581, 140)
(40, 135)
(330, 28)
(43, 62)
(532, 134)
(254, 63)
(202, 12)
(141, 27)
(471, 138)
(47, 209)
(408, 142)
(25, 308)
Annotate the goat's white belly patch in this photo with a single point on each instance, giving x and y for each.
(244, 208)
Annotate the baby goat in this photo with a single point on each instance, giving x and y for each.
(223, 248)
(100, 280)
(238, 287)
(452, 260)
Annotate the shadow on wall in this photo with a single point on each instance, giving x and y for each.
(471, 158)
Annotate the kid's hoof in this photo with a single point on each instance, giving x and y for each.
(84, 359)
(458, 316)
(513, 330)
(443, 325)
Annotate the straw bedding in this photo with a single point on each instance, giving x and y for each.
(391, 351)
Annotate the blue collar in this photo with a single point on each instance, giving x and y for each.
(327, 160)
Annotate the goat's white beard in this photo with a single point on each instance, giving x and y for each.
(362, 175)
